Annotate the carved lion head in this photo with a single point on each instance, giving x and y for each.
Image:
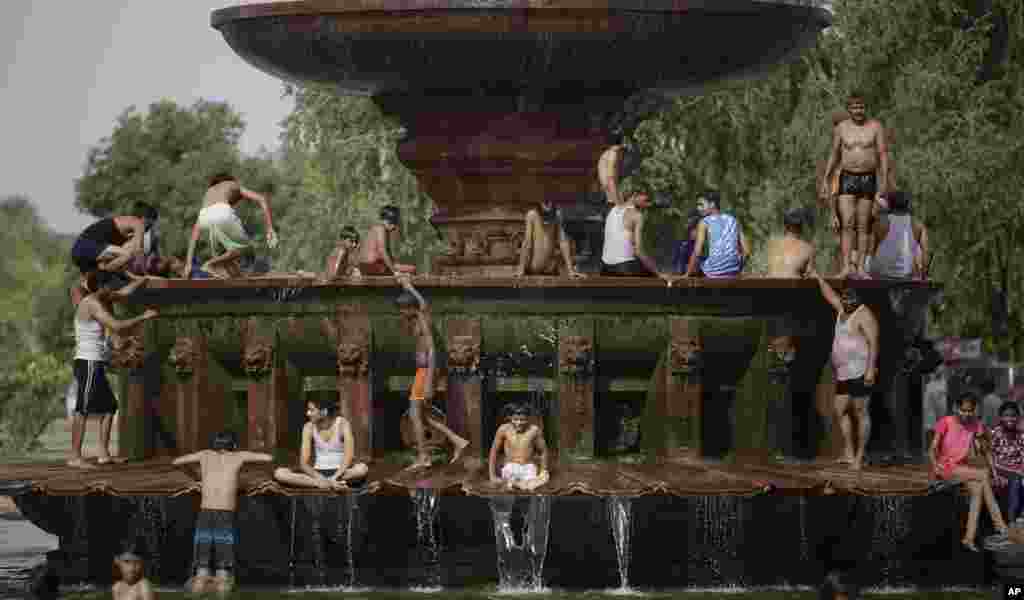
(464, 354)
(258, 359)
(127, 351)
(685, 354)
(577, 355)
(184, 357)
(352, 359)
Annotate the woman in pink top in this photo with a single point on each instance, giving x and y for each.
(956, 455)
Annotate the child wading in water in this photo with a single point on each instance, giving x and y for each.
(416, 320)
(216, 534)
(518, 439)
(132, 584)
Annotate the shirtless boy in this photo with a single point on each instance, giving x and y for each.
(518, 439)
(326, 454)
(219, 220)
(608, 173)
(341, 262)
(544, 236)
(216, 534)
(375, 254)
(860, 152)
(132, 585)
(416, 321)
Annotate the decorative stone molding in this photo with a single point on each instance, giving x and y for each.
(184, 357)
(481, 243)
(576, 356)
(464, 356)
(686, 356)
(781, 355)
(127, 349)
(353, 359)
(257, 351)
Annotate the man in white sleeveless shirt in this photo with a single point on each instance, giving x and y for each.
(623, 253)
(901, 251)
(92, 352)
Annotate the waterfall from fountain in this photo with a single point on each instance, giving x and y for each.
(521, 566)
(716, 539)
(805, 546)
(620, 517)
(426, 503)
(891, 527)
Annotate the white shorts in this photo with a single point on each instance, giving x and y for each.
(224, 226)
(518, 472)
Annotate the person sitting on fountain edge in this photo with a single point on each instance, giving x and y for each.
(215, 533)
(956, 454)
(791, 256)
(327, 448)
(901, 249)
(545, 235)
(225, 229)
(1008, 457)
(132, 583)
(415, 313)
(518, 439)
(342, 262)
(375, 254)
(855, 361)
(623, 253)
(727, 247)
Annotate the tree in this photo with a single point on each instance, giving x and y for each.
(164, 157)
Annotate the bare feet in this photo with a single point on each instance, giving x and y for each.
(80, 463)
(969, 544)
(106, 459)
(340, 485)
(460, 447)
(857, 464)
(421, 463)
(845, 460)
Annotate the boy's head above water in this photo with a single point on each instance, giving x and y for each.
(130, 563)
(224, 441)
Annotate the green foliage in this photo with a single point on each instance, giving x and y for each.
(165, 156)
(345, 152)
(31, 397)
(957, 141)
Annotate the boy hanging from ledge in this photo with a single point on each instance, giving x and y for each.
(518, 439)
(216, 534)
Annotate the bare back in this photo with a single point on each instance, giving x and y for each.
(518, 447)
(225, 192)
(859, 146)
(545, 238)
(789, 257)
(375, 247)
(140, 590)
(220, 478)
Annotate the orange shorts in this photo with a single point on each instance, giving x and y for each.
(419, 386)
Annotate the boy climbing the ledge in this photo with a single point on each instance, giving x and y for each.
(216, 534)
(415, 314)
(519, 439)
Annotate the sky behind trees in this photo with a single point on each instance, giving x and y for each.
(70, 68)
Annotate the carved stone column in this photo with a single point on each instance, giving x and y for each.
(575, 414)
(127, 355)
(757, 399)
(465, 389)
(267, 405)
(351, 330)
(199, 392)
(684, 385)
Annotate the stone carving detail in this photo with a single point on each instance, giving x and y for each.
(477, 248)
(464, 356)
(576, 356)
(482, 243)
(184, 357)
(452, 254)
(257, 352)
(686, 356)
(781, 355)
(353, 359)
(127, 350)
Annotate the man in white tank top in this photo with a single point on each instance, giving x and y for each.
(901, 248)
(94, 395)
(623, 253)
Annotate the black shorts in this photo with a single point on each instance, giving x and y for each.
(630, 268)
(215, 540)
(854, 388)
(857, 184)
(94, 394)
(328, 473)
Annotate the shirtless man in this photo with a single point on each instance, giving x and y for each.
(623, 253)
(326, 454)
(219, 220)
(341, 262)
(518, 439)
(109, 244)
(859, 150)
(545, 233)
(132, 585)
(855, 360)
(375, 254)
(608, 173)
(216, 534)
(790, 256)
(416, 321)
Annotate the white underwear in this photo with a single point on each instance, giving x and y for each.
(518, 472)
